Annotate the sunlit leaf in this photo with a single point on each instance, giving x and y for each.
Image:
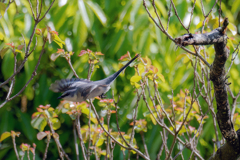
(2, 8)
(180, 56)
(200, 24)
(39, 123)
(1, 36)
(3, 52)
(135, 78)
(4, 136)
(58, 41)
(153, 119)
(213, 22)
(55, 123)
(195, 107)
(18, 51)
(161, 77)
(232, 28)
(141, 69)
(94, 120)
(84, 14)
(98, 12)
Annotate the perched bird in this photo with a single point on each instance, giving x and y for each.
(78, 90)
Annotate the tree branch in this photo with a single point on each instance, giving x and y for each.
(230, 150)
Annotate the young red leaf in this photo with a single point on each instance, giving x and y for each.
(44, 107)
(11, 45)
(54, 32)
(20, 47)
(38, 31)
(82, 53)
(99, 53)
(124, 56)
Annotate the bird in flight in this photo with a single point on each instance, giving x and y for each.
(78, 90)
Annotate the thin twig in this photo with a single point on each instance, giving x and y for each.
(191, 15)
(75, 140)
(128, 148)
(78, 125)
(171, 38)
(13, 81)
(34, 17)
(15, 147)
(61, 152)
(70, 64)
(27, 49)
(46, 149)
(46, 11)
(144, 144)
(219, 13)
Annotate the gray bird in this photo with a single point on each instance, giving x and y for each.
(78, 90)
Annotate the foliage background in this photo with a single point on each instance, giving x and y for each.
(113, 28)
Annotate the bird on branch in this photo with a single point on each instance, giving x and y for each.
(78, 90)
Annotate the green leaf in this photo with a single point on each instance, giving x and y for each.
(18, 51)
(235, 6)
(183, 130)
(100, 141)
(137, 85)
(153, 119)
(135, 78)
(200, 24)
(4, 136)
(161, 77)
(120, 38)
(58, 41)
(98, 12)
(82, 32)
(2, 8)
(56, 123)
(3, 52)
(180, 56)
(213, 23)
(84, 13)
(1, 36)
(232, 28)
(39, 123)
(161, 7)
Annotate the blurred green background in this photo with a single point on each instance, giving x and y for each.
(113, 28)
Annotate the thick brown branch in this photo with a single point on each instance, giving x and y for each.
(214, 37)
(230, 150)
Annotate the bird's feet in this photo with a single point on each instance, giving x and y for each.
(102, 96)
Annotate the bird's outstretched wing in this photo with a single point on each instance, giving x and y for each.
(94, 91)
(67, 84)
(86, 91)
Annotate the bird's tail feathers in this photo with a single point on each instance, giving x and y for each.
(111, 78)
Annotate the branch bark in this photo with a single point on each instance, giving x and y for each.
(218, 37)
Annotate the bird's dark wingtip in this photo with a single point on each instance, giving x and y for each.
(63, 95)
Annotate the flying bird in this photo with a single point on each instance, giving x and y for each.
(78, 90)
